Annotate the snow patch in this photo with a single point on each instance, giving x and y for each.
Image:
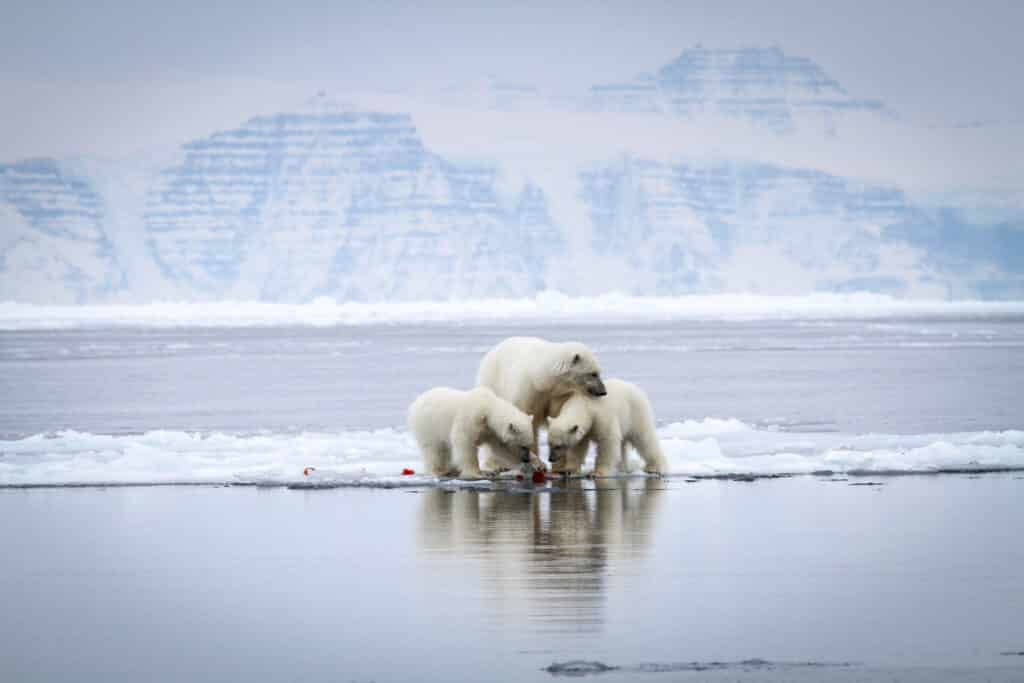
(705, 427)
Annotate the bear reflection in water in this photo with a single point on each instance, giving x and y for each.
(546, 557)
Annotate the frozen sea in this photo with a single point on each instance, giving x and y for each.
(889, 545)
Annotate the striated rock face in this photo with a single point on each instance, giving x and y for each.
(53, 246)
(763, 85)
(691, 228)
(349, 204)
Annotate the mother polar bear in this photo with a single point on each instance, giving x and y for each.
(538, 376)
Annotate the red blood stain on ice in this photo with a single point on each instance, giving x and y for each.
(406, 472)
(538, 477)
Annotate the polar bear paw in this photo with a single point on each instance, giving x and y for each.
(658, 467)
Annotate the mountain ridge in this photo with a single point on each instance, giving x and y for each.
(332, 199)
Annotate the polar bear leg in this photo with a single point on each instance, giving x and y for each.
(497, 459)
(465, 458)
(437, 459)
(649, 448)
(609, 455)
(539, 423)
(623, 463)
(492, 461)
(564, 463)
(535, 462)
(577, 456)
(504, 458)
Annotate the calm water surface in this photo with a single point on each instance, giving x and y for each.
(918, 579)
(902, 376)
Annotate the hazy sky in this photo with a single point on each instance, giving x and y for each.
(76, 75)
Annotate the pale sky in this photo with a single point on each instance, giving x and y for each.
(76, 76)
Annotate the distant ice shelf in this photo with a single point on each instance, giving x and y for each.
(545, 307)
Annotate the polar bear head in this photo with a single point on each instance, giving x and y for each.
(570, 427)
(578, 367)
(561, 438)
(511, 426)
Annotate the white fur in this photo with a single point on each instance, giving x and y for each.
(623, 417)
(536, 375)
(450, 425)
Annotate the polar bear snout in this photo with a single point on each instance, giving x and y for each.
(524, 453)
(594, 385)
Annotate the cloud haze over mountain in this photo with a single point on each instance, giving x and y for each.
(392, 152)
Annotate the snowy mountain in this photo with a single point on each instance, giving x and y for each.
(763, 85)
(684, 227)
(345, 203)
(53, 243)
(358, 203)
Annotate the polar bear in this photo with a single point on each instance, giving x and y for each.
(623, 417)
(449, 425)
(536, 375)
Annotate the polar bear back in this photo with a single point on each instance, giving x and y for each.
(529, 371)
(434, 414)
(629, 404)
(509, 368)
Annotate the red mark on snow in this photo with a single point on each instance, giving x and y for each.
(538, 477)
(306, 471)
(406, 472)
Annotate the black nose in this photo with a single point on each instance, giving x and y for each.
(599, 392)
(525, 453)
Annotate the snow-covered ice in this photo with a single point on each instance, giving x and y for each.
(711, 447)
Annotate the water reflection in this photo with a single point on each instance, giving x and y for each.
(547, 557)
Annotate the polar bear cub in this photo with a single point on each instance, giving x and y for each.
(622, 417)
(533, 374)
(449, 425)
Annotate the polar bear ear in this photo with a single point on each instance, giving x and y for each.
(575, 428)
(575, 359)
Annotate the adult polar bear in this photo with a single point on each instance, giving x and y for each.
(537, 376)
